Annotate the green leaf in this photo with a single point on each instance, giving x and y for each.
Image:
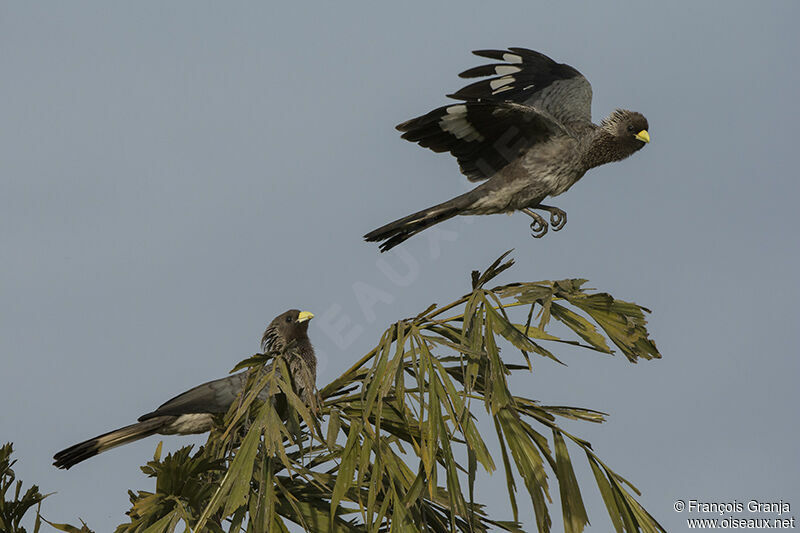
(494, 270)
(581, 326)
(163, 525)
(623, 322)
(236, 488)
(607, 492)
(334, 425)
(515, 336)
(61, 527)
(511, 486)
(500, 395)
(530, 465)
(573, 511)
(14, 509)
(347, 466)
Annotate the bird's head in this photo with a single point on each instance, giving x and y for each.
(289, 326)
(628, 128)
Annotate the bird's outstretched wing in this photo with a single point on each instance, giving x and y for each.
(533, 79)
(483, 136)
(212, 397)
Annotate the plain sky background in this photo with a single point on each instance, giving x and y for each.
(173, 175)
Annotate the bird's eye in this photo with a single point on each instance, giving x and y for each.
(288, 319)
(631, 129)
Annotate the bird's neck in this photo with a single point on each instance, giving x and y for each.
(604, 148)
(274, 341)
(306, 352)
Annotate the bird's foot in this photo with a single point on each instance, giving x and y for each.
(538, 226)
(558, 217)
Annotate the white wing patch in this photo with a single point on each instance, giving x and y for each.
(501, 82)
(512, 58)
(455, 123)
(505, 70)
(503, 89)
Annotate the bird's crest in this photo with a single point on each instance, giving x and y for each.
(615, 118)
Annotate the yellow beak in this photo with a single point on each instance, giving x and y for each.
(304, 315)
(643, 136)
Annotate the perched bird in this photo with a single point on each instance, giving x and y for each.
(527, 131)
(194, 410)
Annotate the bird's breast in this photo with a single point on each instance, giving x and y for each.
(550, 171)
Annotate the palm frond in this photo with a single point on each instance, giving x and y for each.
(395, 443)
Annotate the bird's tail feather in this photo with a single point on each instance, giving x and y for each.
(73, 455)
(398, 231)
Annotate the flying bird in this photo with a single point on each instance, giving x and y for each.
(526, 132)
(194, 410)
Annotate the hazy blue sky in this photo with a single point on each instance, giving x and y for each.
(173, 175)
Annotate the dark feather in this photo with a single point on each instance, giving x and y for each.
(73, 455)
(483, 136)
(213, 397)
(527, 77)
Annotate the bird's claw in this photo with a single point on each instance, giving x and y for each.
(558, 218)
(538, 227)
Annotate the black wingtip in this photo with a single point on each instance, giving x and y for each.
(524, 51)
(489, 54)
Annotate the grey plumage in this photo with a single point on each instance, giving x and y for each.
(526, 133)
(194, 410)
